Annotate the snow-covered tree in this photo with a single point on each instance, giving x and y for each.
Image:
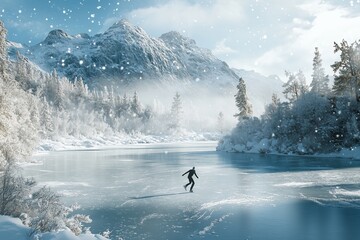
(3, 51)
(40, 209)
(295, 86)
(50, 214)
(242, 101)
(271, 108)
(176, 111)
(347, 79)
(220, 122)
(18, 119)
(135, 105)
(14, 190)
(320, 82)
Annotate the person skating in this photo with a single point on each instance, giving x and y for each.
(191, 180)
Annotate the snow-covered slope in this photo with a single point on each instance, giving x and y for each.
(126, 53)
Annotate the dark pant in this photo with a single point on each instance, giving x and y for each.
(191, 181)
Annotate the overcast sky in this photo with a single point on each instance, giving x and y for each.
(268, 36)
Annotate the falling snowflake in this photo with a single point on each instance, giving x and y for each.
(81, 62)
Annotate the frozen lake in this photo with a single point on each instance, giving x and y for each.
(137, 192)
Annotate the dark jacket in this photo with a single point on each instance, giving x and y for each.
(191, 173)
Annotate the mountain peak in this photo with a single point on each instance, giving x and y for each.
(175, 37)
(57, 35)
(123, 30)
(122, 25)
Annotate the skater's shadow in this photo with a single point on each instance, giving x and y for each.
(159, 195)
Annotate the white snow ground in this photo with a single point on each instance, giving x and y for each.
(13, 229)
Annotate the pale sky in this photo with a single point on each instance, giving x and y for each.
(262, 35)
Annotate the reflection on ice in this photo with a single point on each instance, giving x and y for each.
(54, 184)
(244, 200)
(294, 184)
(344, 192)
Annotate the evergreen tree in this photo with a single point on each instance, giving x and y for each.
(220, 122)
(320, 82)
(176, 111)
(242, 101)
(347, 81)
(3, 51)
(135, 105)
(46, 121)
(271, 108)
(302, 82)
(21, 74)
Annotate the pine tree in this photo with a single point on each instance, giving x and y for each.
(176, 111)
(320, 82)
(135, 105)
(302, 82)
(347, 81)
(3, 51)
(46, 121)
(242, 101)
(272, 107)
(220, 122)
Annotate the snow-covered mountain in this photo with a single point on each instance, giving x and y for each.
(125, 54)
(127, 57)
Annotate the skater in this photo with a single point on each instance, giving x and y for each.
(191, 180)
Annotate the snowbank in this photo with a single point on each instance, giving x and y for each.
(266, 146)
(13, 229)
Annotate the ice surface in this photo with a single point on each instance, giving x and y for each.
(136, 191)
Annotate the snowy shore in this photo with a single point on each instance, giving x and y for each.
(265, 146)
(13, 229)
(72, 143)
